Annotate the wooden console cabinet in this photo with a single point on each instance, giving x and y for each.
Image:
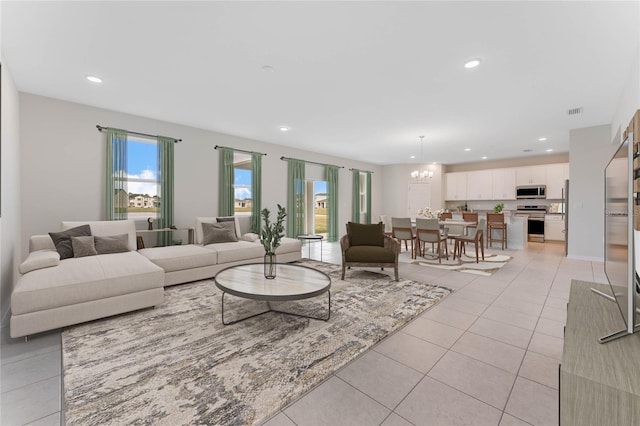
(599, 383)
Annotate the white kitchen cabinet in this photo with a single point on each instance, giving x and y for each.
(556, 175)
(504, 184)
(456, 186)
(480, 185)
(554, 227)
(531, 175)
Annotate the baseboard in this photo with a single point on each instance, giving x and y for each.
(587, 258)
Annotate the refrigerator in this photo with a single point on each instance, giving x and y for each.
(564, 209)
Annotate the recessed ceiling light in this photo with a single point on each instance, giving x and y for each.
(284, 128)
(467, 149)
(549, 150)
(94, 79)
(472, 63)
(412, 157)
(542, 139)
(435, 162)
(268, 68)
(484, 158)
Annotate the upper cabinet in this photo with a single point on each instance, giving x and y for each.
(531, 175)
(504, 184)
(456, 183)
(556, 175)
(479, 185)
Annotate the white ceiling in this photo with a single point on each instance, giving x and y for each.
(359, 80)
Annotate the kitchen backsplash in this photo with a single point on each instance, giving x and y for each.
(510, 205)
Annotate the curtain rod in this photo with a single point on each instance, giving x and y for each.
(101, 128)
(241, 150)
(312, 162)
(365, 171)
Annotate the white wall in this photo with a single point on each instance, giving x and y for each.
(590, 150)
(10, 241)
(63, 161)
(629, 102)
(395, 188)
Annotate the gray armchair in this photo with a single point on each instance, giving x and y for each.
(367, 246)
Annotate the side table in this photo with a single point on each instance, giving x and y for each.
(309, 238)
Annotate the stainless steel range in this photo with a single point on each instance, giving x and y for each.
(535, 221)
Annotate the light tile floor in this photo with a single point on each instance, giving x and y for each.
(487, 355)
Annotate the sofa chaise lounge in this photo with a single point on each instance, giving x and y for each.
(52, 293)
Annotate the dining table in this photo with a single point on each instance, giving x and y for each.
(465, 224)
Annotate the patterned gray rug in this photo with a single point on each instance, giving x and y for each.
(177, 364)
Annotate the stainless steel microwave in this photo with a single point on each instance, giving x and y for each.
(531, 191)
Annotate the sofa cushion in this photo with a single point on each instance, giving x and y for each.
(221, 232)
(200, 220)
(287, 245)
(85, 279)
(369, 254)
(112, 244)
(62, 240)
(237, 251)
(365, 235)
(83, 246)
(40, 259)
(178, 258)
(106, 228)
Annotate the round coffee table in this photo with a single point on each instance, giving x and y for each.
(292, 282)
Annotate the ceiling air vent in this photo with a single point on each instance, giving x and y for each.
(575, 111)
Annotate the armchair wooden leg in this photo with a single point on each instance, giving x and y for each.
(395, 271)
(342, 272)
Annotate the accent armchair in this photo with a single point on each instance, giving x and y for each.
(368, 246)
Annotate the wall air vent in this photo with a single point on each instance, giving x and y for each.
(575, 111)
(526, 150)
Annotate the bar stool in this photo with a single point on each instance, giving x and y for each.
(495, 221)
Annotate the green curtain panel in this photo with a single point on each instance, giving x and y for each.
(368, 197)
(295, 198)
(256, 191)
(117, 198)
(225, 189)
(355, 217)
(165, 172)
(331, 176)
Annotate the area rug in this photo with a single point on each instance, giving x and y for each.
(177, 364)
(467, 264)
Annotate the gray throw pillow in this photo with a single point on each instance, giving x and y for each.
(112, 244)
(83, 246)
(221, 232)
(62, 240)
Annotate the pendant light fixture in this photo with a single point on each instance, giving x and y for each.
(424, 174)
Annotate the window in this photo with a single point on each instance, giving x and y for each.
(242, 190)
(143, 180)
(363, 196)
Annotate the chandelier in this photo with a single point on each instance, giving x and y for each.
(421, 174)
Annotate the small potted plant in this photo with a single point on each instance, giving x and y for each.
(270, 237)
(498, 208)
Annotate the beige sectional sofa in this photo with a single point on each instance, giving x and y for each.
(53, 293)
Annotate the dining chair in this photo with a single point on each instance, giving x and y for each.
(402, 230)
(428, 231)
(475, 236)
(445, 216)
(495, 222)
(386, 219)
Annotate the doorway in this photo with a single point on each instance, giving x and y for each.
(419, 198)
(316, 207)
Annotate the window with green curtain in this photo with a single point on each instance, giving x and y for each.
(295, 198)
(331, 176)
(117, 198)
(256, 191)
(165, 171)
(368, 197)
(225, 182)
(355, 217)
